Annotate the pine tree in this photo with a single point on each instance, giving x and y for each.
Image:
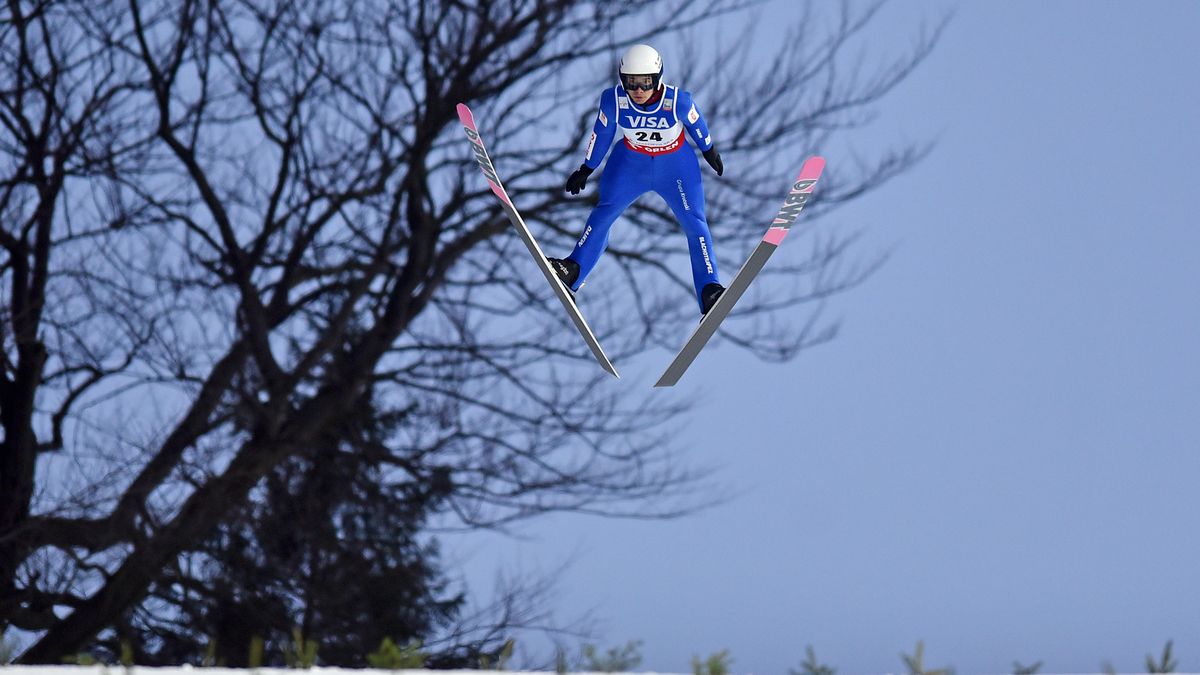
(325, 563)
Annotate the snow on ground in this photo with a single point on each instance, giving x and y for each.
(191, 670)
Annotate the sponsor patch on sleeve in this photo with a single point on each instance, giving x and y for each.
(708, 139)
(603, 119)
(693, 114)
(591, 146)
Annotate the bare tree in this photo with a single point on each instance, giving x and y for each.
(70, 323)
(226, 221)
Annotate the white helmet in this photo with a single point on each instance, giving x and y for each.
(641, 60)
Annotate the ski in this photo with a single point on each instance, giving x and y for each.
(796, 199)
(560, 290)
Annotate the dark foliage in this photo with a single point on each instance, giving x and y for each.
(328, 546)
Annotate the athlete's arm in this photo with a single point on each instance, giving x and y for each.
(693, 121)
(602, 131)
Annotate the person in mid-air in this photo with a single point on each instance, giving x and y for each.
(651, 116)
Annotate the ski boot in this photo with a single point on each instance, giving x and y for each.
(709, 295)
(566, 270)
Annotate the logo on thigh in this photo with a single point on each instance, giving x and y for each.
(683, 195)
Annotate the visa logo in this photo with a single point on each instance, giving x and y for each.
(639, 122)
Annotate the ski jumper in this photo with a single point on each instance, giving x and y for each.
(651, 156)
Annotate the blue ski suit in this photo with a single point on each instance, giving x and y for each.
(652, 155)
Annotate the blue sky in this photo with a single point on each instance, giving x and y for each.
(1000, 453)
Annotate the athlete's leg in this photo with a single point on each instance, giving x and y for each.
(677, 180)
(625, 178)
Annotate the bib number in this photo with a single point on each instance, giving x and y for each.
(649, 136)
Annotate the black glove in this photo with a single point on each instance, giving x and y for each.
(578, 179)
(714, 160)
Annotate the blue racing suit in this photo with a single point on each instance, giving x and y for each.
(652, 155)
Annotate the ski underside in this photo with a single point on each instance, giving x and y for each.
(801, 190)
(560, 290)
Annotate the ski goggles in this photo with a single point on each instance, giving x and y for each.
(639, 82)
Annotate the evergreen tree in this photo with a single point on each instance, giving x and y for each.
(326, 556)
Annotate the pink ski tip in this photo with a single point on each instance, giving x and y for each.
(465, 116)
(812, 168)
